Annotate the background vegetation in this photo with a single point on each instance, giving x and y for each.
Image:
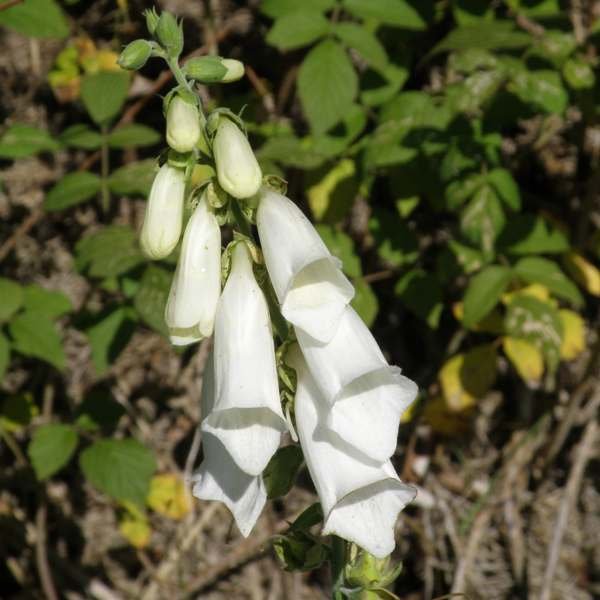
(449, 152)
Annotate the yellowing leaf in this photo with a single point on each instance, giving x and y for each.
(466, 377)
(573, 343)
(525, 357)
(444, 420)
(169, 496)
(535, 289)
(334, 191)
(491, 323)
(584, 272)
(135, 529)
(409, 413)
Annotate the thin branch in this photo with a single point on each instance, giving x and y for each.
(20, 231)
(582, 456)
(41, 555)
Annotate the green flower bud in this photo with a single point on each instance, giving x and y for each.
(135, 55)
(151, 20)
(169, 34)
(214, 69)
(183, 124)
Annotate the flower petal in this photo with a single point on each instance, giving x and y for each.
(361, 498)
(307, 279)
(196, 286)
(247, 414)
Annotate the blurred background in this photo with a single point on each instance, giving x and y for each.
(448, 151)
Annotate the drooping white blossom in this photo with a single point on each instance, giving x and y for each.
(219, 477)
(360, 498)
(196, 286)
(366, 395)
(238, 171)
(164, 213)
(183, 125)
(247, 415)
(310, 286)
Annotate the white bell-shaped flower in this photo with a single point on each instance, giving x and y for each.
(219, 478)
(164, 213)
(311, 288)
(367, 396)
(238, 171)
(247, 415)
(183, 125)
(361, 498)
(196, 286)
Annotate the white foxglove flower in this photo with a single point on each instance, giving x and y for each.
(219, 478)
(366, 395)
(247, 415)
(361, 498)
(192, 303)
(164, 213)
(183, 125)
(312, 290)
(237, 168)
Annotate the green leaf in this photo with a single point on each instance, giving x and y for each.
(484, 292)
(421, 293)
(342, 246)
(506, 187)
(535, 269)
(151, 297)
(81, 136)
(109, 252)
(51, 304)
(17, 411)
(36, 18)
(134, 179)
(531, 234)
(327, 85)
(394, 13)
(280, 474)
(4, 355)
(396, 244)
(472, 12)
(297, 29)
(12, 298)
(34, 335)
(279, 8)
(394, 77)
(483, 218)
(121, 469)
(457, 192)
(133, 134)
(72, 189)
(579, 74)
(50, 448)
(365, 301)
(496, 35)
(543, 89)
(537, 322)
(108, 337)
(364, 41)
(21, 140)
(104, 93)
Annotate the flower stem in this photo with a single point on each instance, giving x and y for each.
(338, 562)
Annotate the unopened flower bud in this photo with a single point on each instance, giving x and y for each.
(237, 168)
(183, 125)
(151, 20)
(164, 213)
(214, 69)
(169, 34)
(135, 55)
